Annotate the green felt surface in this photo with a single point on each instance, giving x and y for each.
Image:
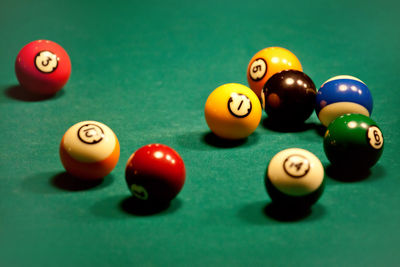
(145, 68)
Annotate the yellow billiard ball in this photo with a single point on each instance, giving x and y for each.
(232, 111)
(266, 63)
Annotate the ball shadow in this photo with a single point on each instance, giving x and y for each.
(287, 214)
(17, 92)
(284, 127)
(192, 140)
(343, 174)
(320, 129)
(211, 139)
(137, 207)
(262, 213)
(67, 182)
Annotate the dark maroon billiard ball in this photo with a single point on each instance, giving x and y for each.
(155, 173)
(289, 97)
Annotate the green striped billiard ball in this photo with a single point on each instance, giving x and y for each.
(294, 179)
(353, 141)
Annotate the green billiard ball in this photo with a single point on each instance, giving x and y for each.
(353, 141)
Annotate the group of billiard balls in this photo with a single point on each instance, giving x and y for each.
(343, 104)
(155, 173)
(89, 150)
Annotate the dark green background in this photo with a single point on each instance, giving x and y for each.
(145, 69)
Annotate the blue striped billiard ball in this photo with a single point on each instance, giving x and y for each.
(341, 95)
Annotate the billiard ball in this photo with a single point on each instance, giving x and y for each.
(232, 111)
(341, 95)
(294, 179)
(89, 150)
(43, 67)
(288, 97)
(353, 141)
(266, 63)
(155, 173)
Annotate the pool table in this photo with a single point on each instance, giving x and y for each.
(146, 68)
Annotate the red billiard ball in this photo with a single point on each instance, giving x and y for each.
(155, 173)
(43, 67)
